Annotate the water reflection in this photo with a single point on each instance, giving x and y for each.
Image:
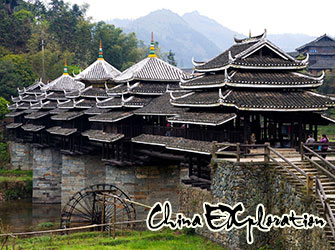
(23, 216)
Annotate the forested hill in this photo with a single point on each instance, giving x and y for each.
(65, 33)
(195, 35)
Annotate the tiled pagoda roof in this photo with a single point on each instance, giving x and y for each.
(257, 100)
(237, 56)
(203, 118)
(151, 69)
(99, 71)
(32, 128)
(113, 116)
(159, 106)
(64, 82)
(254, 79)
(175, 143)
(101, 136)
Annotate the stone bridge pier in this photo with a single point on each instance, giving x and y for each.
(56, 177)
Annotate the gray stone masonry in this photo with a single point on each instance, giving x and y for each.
(252, 184)
(47, 175)
(21, 155)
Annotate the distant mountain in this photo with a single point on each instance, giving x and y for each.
(194, 35)
(173, 33)
(217, 33)
(289, 42)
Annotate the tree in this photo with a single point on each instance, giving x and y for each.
(119, 49)
(15, 72)
(3, 107)
(171, 59)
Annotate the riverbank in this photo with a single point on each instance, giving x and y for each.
(165, 240)
(15, 184)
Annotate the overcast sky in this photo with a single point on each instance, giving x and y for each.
(278, 16)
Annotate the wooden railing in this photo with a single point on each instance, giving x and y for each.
(306, 154)
(309, 179)
(242, 150)
(238, 150)
(320, 193)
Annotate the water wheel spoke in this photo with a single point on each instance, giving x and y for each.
(85, 206)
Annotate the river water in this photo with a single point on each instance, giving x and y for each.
(23, 216)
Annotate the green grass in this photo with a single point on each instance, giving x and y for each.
(15, 175)
(165, 240)
(15, 184)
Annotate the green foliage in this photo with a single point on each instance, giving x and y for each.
(3, 107)
(16, 184)
(118, 48)
(15, 72)
(171, 59)
(265, 248)
(45, 225)
(36, 39)
(4, 154)
(328, 86)
(165, 240)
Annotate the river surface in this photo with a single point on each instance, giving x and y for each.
(23, 216)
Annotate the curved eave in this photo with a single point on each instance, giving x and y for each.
(94, 96)
(272, 86)
(146, 93)
(134, 105)
(111, 106)
(255, 85)
(116, 94)
(187, 150)
(202, 123)
(125, 80)
(293, 109)
(239, 66)
(154, 114)
(148, 143)
(92, 119)
(195, 105)
(219, 85)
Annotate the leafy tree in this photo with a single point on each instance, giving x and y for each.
(15, 71)
(119, 49)
(3, 107)
(171, 59)
(328, 86)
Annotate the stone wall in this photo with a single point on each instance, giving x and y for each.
(21, 155)
(47, 175)
(79, 172)
(148, 184)
(253, 184)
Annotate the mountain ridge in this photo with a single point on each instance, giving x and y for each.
(194, 35)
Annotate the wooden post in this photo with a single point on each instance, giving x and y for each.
(238, 152)
(267, 152)
(122, 220)
(309, 184)
(302, 150)
(103, 213)
(114, 218)
(316, 132)
(13, 242)
(214, 149)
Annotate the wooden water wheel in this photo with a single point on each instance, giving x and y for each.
(96, 204)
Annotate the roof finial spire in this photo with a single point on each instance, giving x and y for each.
(152, 47)
(65, 69)
(249, 33)
(101, 57)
